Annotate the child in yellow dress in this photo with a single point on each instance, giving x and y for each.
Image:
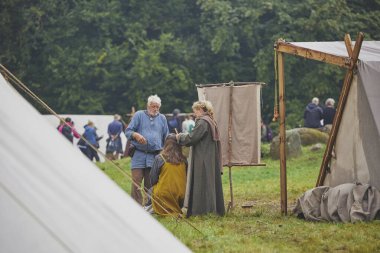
(168, 178)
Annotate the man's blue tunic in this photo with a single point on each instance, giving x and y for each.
(154, 129)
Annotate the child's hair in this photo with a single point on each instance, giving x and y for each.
(172, 151)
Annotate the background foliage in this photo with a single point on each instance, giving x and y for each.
(98, 57)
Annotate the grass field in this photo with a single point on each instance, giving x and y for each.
(262, 228)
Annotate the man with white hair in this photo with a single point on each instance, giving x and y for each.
(313, 114)
(329, 112)
(147, 132)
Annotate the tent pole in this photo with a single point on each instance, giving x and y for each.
(340, 108)
(231, 204)
(282, 133)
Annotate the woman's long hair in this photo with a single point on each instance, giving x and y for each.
(172, 151)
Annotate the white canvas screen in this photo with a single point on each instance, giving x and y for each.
(246, 121)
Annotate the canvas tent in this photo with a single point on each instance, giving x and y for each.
(53, 199)
(352, 153)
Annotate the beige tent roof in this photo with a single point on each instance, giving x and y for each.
(369, 51)
(53, 199)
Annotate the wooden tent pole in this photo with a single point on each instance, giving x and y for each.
(340, 108)
(231, 204)
(281, 82)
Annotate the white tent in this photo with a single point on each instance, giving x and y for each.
(355, 155)
(353, 148)
(53, 199)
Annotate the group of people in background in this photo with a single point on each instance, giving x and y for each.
(90, 137)
(318, 117)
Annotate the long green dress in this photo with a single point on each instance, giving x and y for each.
(206, 192)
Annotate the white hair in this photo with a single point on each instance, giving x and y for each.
(315, 101)
(330, 102)
(117, 117)
(154, 99)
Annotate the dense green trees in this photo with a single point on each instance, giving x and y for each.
(92, 56)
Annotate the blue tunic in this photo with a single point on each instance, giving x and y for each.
(154, 129)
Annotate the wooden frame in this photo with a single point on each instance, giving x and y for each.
(350, 62)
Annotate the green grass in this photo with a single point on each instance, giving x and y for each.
(262, 228)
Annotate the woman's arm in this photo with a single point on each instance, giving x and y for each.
(199, 131)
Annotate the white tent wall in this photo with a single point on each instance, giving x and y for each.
(356, 155)
(53, 199)
(246, 121)
(369, 116)
(101, 123)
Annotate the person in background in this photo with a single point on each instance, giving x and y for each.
(68, 130)
(61, 124)
(92, 137)
(115, 128)
(313, 114)
(205, 187)
(188, 124)
(175, 123)
(168, 179)
(147, 131)
(185, 125)
(266, 132)
(191, 124)
(329, 112)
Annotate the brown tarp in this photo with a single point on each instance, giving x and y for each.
(246, 120)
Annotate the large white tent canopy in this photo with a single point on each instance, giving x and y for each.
(53, 199)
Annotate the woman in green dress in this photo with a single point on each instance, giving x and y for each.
(205, 185)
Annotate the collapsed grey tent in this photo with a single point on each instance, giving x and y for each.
(53, 199)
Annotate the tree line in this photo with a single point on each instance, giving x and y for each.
(103, 57)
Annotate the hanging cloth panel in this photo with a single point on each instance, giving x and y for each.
(245, 124)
